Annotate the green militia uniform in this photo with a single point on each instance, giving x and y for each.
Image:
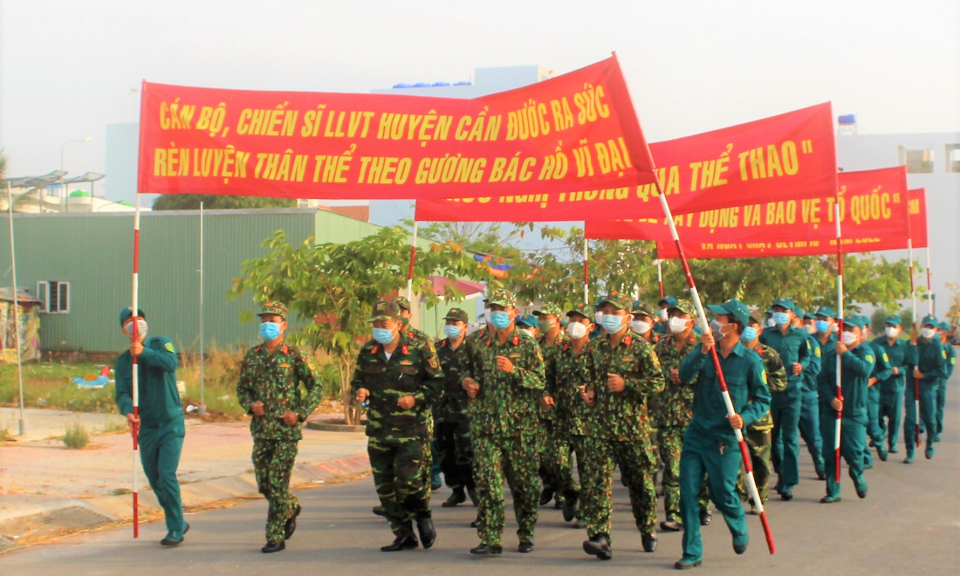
(398, 440)
(504, 427)
(619, 433)
(942, 389)
(454, 448)
(556, 468)
(931, 359)
(882, 370)
(275, 379)
(758, 433)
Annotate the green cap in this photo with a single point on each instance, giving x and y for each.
(797, 311)
(783, 303)
(502, 298)
(403, 303)
(385, 310)
(128, 312)
(809, 316)
(668, 300)
(457, 314)
(865, 321)
(930, 320)
(825, 311)
(735, 307)
(944, 326)
(621, 301)
(584, 309)
(853, 320)
(530, 321)
(684, 306)
(892, 320)
(548, 309)
(273, 307)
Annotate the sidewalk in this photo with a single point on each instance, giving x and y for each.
(46, 488)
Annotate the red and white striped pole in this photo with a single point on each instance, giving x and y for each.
(836, 435)
(916, 381)
(744, 451)
(135, 372)
(413, 259)
(660, 275)
(586, 269)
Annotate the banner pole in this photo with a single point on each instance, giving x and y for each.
(916, 381)
(135, 371)
(660, 276)
(16, 308)
(203, 403)
(413, 259)
(586, 268)
(836, 435)
(695, 296)
(930, 299)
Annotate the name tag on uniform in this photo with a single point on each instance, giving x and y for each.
(406, 363)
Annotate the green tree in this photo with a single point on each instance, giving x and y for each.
(219, 202)
(334, 287)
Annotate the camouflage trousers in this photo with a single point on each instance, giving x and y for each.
(398, 475)
(759, 444)
(515, 459)
(556, 465)
(637, 462)
(455, 452)
(670, 444)
(272, 463)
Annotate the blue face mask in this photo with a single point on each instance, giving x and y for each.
(269, 331)
(823, 326)
(611, 323)
(749, 333)
(451, 331)
(383, 335)
(499, 319)
(781, 318)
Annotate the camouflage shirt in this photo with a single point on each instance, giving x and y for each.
(776, 382)
(550, 354)
(275, 380)
(412, 370)
(675, 403)
(506, 404)
(623, 416)
(453, 403)
(412, 332)
(570, 371)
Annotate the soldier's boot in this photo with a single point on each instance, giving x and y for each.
(405, 540)
(428, 534)
(569, 508)
(705, 517)
(525, 547)
(929, 451)
(456, 498)
(861, 485)
(598, 546)
(272, 547)
(379, 511)
(291, 526)
(487, 550)
(472, 493)
(475, 522)
(671, 525)
(546, 496)
(649, 542)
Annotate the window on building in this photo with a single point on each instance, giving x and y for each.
(953, 158)
(918, 160)
(54, 296)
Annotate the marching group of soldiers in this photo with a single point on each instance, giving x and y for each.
(612, 384)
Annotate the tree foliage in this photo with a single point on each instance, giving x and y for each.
(219, 202)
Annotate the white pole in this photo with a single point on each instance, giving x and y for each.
(16, 308)
(916, 381)
(586, 269)
(839, 392)
(135, 372)
(203, 403)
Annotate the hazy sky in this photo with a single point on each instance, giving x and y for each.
(67, 67)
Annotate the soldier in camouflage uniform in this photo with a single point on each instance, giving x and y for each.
(626, 372)
(269, 389)
(758, 433)
(645, 322)
(555, 464)
(503, 375)
(454, 448)
(401, 378)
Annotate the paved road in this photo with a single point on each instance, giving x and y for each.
(909, 524)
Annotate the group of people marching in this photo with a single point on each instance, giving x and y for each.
(616, 383)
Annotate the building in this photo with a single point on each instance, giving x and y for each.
(933, 162)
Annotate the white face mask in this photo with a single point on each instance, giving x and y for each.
(640, 327)
(677, 325)
(849, 338)
(663, 314)
(810, 328)
(835, 328)
(771, 322)
(891, 331)
(576, 330)
(527, 332)
(597, 316)
(141, 328)
(928, 333)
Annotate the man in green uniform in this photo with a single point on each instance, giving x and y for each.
(160, 423)
(882, 369)
(891, 388)
(794, 349)
(268, 389)
(809, 424)
(709, 445)
(626, 372)
(931, 367)
(758, 433)
(645, 322)
(663, 315)
(503, 374)
(942, 389)
(856, 365)
(454, 448)
(401, 377)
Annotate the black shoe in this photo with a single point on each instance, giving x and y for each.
(649, 542)
(405, 540)
(829, 499)
(821, 475)
(788, 496)
(170, 542)
(705, 517)
(428, 534)
(291, 526)
(671, 526)
(546, 496)
(739, 548)
(486, 550)
(474, 523)
(272, 547)
(455, 499)
(598, 546)
(525, 547)
(557, 504)
(379, 511)
(472, 493)
(680, 565)
(569, 508)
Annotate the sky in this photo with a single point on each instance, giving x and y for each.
(69, 68)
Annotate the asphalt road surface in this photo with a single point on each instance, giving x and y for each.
(908, 524)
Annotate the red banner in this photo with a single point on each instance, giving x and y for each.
(572, 132)
(792, 155)
(918, 218)
(873, 216)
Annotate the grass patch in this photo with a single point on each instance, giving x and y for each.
(5, 435)
(48, 385)
(76, 437)
(113, 427)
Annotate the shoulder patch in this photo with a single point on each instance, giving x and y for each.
(817, 352)
(763, 375)
(433, 363)
(869, 357)
(169, 347)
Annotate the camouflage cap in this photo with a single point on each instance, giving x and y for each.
(684, 306)
(641, 307)
(548, 310)
(457, 314)
(502, 298)
(621, 301)
(128, 312)
(385, 310)
(273, 307)
(403, 303)
(584, 309)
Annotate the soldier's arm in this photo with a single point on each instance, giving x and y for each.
(936, 364)
(859, 366)
(691, 364)
(648, 379)
(246, 393)
(357, 381)
(309, 376)
(431, 377)
(529, 372)
(814, 367)
(124, 392)
(804, 353)
(758, 392)
(165, 358)
(882, 369)
(776, 373)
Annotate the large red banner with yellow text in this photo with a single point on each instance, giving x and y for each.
(792, 155)
(918, 218)
(572, 132)
(873, 216)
